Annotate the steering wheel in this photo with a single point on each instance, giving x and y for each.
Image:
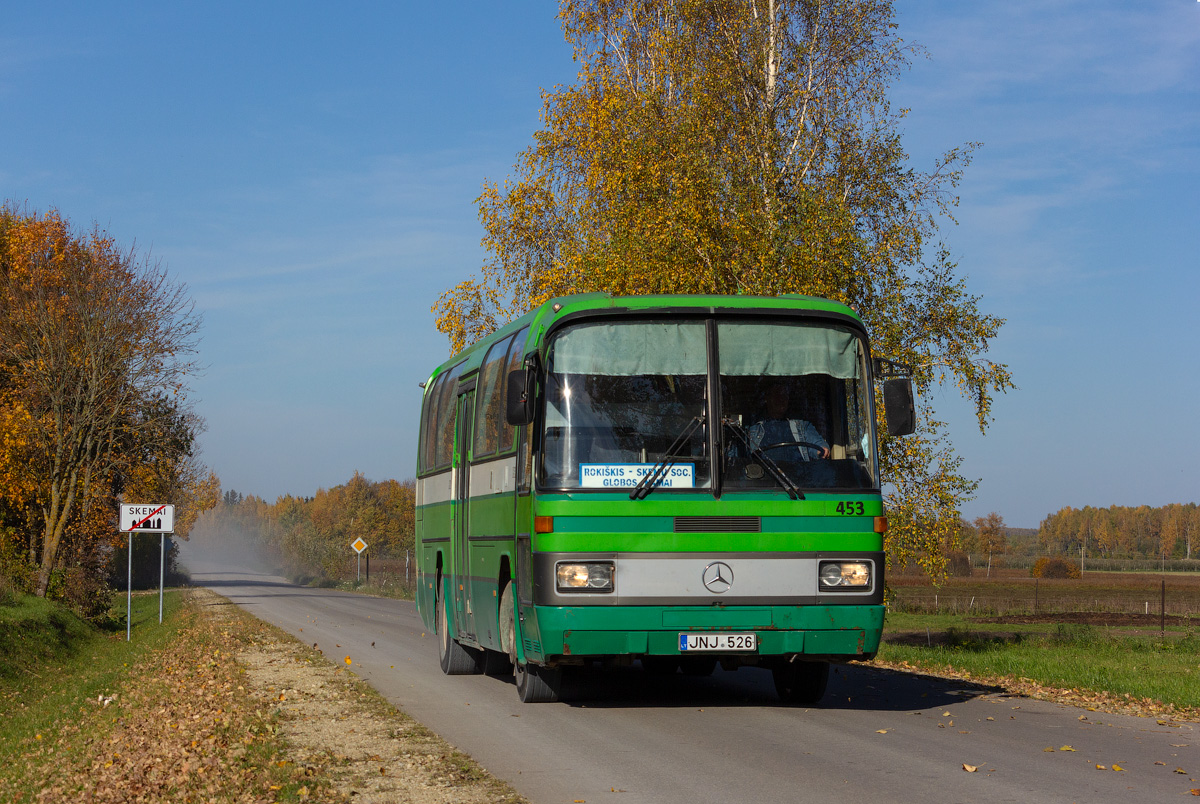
(817, 447)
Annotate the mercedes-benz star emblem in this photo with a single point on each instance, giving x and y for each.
(718, 577)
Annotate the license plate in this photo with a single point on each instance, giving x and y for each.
(698, 643)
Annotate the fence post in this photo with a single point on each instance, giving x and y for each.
(1162, 623)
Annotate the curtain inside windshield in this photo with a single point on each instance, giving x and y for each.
(618, 395)
(758, 349)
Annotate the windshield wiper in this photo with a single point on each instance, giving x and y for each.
(758, 455)
(659, 471)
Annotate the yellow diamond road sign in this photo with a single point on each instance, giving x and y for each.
(359, 545)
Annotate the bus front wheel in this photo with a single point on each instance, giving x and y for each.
(455, 659)
(799, 682)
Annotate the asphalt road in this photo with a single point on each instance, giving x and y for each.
(626, 737)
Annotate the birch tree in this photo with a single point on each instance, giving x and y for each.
(747, 146)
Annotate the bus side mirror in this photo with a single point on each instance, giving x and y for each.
(898, 406)
(518, 408)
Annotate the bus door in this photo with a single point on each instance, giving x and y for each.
(463, 620)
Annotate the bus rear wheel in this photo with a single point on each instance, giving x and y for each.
(799, 682)
(537, 683)
(455, 659)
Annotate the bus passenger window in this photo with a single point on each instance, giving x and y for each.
(490, 398)
(444, 419)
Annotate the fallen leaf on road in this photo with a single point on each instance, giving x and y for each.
(1066, 748)
(1181, 770)
(1047, 750)
(1118, 768)
(1101, 767)
(970, 768)
(347, 660)
(881, 731)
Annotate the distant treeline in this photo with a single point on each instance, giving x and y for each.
(309, 537)
(1122, 532)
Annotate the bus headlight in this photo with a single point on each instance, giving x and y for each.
(593, 576)
(844, 576)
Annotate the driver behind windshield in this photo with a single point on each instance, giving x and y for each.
(802, 440)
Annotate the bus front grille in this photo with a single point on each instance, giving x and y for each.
(718, 524)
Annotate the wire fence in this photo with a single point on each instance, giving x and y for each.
(1172, 597)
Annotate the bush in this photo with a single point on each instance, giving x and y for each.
(85, 592)
(1046, 567)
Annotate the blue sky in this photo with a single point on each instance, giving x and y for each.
(310, 175)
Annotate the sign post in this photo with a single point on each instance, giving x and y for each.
(359, 545)
(162, 564)
(146, 518)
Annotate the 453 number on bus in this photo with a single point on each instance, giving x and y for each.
(850, 509)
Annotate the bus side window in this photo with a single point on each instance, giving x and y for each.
(490, 398)
(516, 355)
(429, 425)
(443, 447)
(423, 450)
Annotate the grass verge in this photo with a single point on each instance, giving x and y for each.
(1094, 664)
(161, 717)
(212, 705)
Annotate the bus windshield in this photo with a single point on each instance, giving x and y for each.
(794, 396)
(792, 412)
(618, 395)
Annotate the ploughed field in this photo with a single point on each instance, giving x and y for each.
(1098, 598)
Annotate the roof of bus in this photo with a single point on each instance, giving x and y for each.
(541, 317)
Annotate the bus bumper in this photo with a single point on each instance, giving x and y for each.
(568, 634)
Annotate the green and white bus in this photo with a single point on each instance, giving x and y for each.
(677, 480)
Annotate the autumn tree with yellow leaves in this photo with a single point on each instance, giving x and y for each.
(96, 347)
(747, 146)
